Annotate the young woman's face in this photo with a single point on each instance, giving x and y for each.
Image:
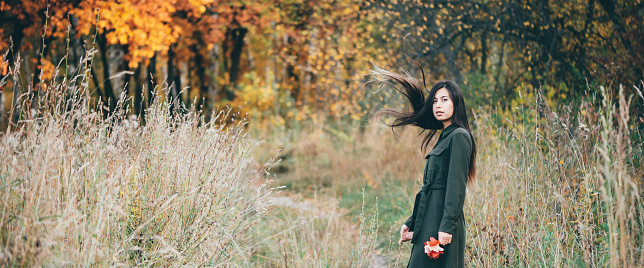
(443, 107)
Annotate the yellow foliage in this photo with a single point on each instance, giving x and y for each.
(48, 69)
(144, 27)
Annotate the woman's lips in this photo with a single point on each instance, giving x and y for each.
(439, 113)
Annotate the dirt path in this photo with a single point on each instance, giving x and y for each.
(322, 208)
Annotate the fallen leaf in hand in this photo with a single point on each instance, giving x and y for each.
(432, 248)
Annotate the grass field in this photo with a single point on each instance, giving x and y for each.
(553, 188)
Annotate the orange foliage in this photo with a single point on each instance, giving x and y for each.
(31, 14)
(4, 68)
(144, 26)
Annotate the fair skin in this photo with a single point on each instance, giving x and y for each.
(443, 109)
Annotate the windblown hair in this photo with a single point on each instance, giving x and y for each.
(421, 113)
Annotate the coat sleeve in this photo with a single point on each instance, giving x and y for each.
(408, 222)
(457, 174)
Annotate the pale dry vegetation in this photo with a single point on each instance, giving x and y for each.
(77, 187)
(554, 188)
(81, 189)
(558, 190)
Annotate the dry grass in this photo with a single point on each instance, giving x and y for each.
(320, 237)
(554, 195)
(81, 188)
(553, 188)
(84, 189)
(78, 188)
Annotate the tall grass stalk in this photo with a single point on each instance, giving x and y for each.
(620, 189)
(82, 188)
(555, 188)
(551, 194)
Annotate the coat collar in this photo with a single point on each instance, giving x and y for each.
(448, 130)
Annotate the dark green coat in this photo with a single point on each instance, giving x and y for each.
(439, 204)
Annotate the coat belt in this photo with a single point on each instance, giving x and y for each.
(418, 215)
(427, 188)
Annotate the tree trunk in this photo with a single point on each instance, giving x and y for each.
(139, 108)
(237, 37)
(101, 95)
(213, 91)
(203, 79)
(150, 80)
(16, 38)
(37, 86)
(15, 113)
(234, 48)
(188, 86)
(125, 66)
(107, 83)
(174, 80)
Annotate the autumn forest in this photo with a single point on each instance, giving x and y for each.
(240, 133)
(300, 58)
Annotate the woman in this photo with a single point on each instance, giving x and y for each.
(449, 167)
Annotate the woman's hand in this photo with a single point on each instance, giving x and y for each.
(405, 235)
(444, 238)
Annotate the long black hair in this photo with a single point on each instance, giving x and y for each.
(421, 112)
